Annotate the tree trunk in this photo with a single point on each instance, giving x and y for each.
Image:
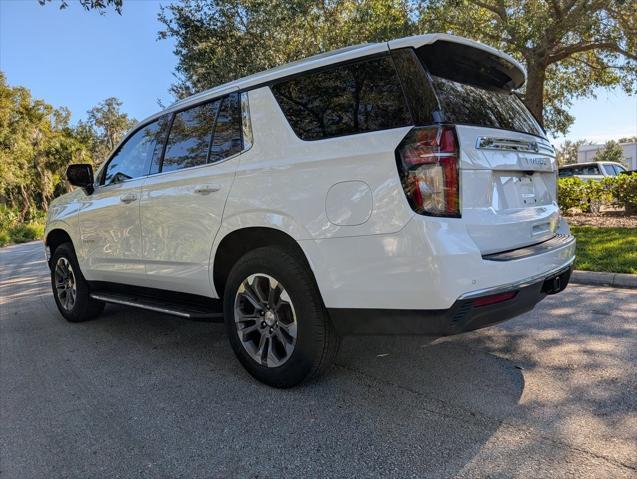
(26, 203)
(534, 96)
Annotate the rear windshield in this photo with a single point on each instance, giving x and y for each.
(464, 103)
(458, 84)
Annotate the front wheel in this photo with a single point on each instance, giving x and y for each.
(70, 289)
(275, 318)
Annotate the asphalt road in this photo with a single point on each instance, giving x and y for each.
(133, 394)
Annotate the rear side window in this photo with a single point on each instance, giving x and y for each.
(189, 139)
(227, 136)
(345, 100)
(132, 160)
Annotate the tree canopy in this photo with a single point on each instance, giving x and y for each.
(100, 5)
(38, 142)
(569, 47)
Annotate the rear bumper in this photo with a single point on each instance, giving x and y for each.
(468, 313)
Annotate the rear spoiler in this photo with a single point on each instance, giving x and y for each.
(464, 60)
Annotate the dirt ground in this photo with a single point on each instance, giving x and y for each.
(604, 219)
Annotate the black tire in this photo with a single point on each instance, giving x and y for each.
(83, 307)
(316, 342)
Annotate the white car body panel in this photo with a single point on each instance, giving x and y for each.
(181, 213)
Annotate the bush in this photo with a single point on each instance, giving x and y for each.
(571, 193)
(5, 239)
(589, 196)
(624, 190)
(26, 232)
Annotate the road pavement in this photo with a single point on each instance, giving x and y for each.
(136, 394)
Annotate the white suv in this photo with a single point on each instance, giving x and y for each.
(388, 188)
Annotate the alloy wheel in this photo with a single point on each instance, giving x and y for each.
(65, 284)
(265, 320)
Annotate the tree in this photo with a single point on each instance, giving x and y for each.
(611, 152)
(566, 154)
(221, 40)
(569, 47)
(99, 5)
(105, 127)
(38, 142)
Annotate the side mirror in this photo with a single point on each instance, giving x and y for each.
(81, 175)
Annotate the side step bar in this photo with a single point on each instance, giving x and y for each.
(188, 311)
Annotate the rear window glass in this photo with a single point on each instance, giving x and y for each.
(348, 99)
(467, 104)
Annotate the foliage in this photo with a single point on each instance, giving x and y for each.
(589, 196)
(221, 40)
(99, 5)
(606, 249)
(611, 152)
(572, 193)
(38, 142)
(624, 190)
(566, 153)
(569, 47)
(105, 127)
(12, 230)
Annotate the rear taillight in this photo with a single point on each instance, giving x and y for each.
(427, 161)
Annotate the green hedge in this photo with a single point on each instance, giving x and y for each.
(589, 196)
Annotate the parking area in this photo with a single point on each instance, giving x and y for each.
(136, 394)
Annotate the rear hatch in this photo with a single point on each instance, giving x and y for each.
(507, 169)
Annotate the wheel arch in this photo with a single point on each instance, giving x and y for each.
(55, 238)
(240, 241)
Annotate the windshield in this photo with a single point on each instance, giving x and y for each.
(462, 103)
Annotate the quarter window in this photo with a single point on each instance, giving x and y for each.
(189, 139)
(345, 100)
(133, 158)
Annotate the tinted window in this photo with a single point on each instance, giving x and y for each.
(189, 139)
(227, 135)
(134, 157)
(563, 172)
(420, 96)
(464, 103)
(345, 100)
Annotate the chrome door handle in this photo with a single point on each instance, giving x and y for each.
(206, 189)
(128, 198)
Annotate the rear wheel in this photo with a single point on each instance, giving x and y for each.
(70, 289)
(276, 321)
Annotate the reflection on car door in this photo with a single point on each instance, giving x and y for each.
(109, 219)
(182, 202)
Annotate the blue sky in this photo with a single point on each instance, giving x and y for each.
(75, 58)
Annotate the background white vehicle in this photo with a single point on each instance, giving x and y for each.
(595, 170)
(389, 188)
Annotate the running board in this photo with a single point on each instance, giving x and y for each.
(188, 311)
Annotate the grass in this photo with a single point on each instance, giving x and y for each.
(606, 249)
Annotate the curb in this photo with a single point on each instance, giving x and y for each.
(615, 280)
